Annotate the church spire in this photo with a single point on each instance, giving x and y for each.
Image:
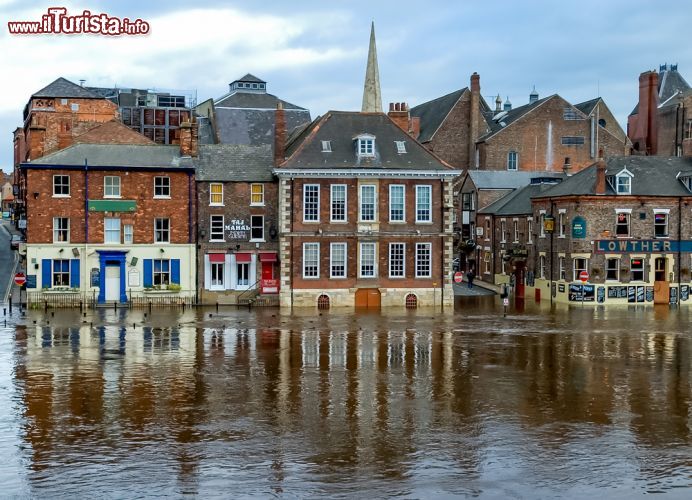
(372, 97)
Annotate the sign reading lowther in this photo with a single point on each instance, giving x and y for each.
(643, 246)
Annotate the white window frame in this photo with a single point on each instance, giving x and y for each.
(402, 273)
(512, 161)
(642, 269)
(362, 188)
(213, 233)
(628, 216)
(515, 223)
(366, 146)
(503, 231)
(305, 203)
(403, 203)
(541, 267)
(419, 205)
(617, 269)
(257, 203)
(326, 146)
(332, 187)
(128, 234)
(400, 146)
(220, 283)
(541, 221)
(113, 186)
(561, 223)
(418, 262)
(165, 231)
(61, 185)
(63, 274)
(162, 182)
(576, 270)
(57, 230)
(666, 214)
(112, 231)
(253, 226)
(316, 248)
(624, 188)
(529, 230)
(361, 262)
(333, 262)
(562, 269)
(211, 193)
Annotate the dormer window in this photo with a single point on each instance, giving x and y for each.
(400, 146)
(623, 182)
(326, 146)
(366, 145)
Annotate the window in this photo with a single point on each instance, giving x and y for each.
(311, 203)
(573, 140)
(486, 262)
(162, 230)
(217, 274)
(423, 203)
(660, 225)
(366, 146)
(516, 231)
(561, 224)
(326, 146)
(257, 228)
(61, 185)
(111, 230)
(400, 146)
(624, 184)
(367, 202)
(162, 272)
(242, 274)
(337, 260)
(579, 265)
(512, 160)
(216, 228)
(541, 267)
(162, 187)
(503, 231)
(612, 269)
(563, 272)
(423, 260)
(338, 208)
(529, 230)
(74, 107)
(367, 260)
(622, 224)
(570, 114)
(637, 269)
(467, 201)
(111, 186)
(61, 272)
(487, 228)
(542, 228)
(397, 203)
(128, 234)
(256, 194)
(311, 260)
(397, 263)
(216, 193)
(61, 230)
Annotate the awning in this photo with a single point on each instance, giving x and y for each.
(268, 257)
(217, 257)
(243, 257)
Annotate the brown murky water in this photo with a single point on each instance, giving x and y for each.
(540, 404)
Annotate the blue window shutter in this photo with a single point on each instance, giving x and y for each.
(148, 272)
(175, 271)
(74, 273)
(46, 273)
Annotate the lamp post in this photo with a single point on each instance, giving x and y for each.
(549, 227)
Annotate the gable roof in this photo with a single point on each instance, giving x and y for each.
(653, 176)
(250, 78)
(341, 128)
(511, 116)
(115, 155)
(234, 162)
(504, 179)
(65, 88)
(670, 82)
(112, 132)
(587, 107)
(518, 202)
(433, 113)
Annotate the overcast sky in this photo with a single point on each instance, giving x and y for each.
(313, 53)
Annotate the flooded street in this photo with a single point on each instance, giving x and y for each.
(566, 403)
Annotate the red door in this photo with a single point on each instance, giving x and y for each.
(267, 270)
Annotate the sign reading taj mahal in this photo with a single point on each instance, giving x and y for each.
(237, 229)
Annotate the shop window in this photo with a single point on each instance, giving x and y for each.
(579, 264)
(637, 269)
(613, 269)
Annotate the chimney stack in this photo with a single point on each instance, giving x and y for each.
(647, 130)
(600, 186)
(189, 138)
(474, 116)
(280, 134)
(498, 104)
(567, 166)
(401, 115)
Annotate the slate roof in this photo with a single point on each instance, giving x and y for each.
(510, 116)
(254, 100)
(112, 132)
(341, 128)
(504, 179)
(587, 107)
(433, 113)
(65, 88)
(653, 176)
(116, 155)
(250, 78)
(670, 81)
(235, 162)
(518, 202)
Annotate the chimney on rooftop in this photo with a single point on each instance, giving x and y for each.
(280, 134)
(567, 166)
(189, 138)
(474, 116)
(600, 186)
(400, 114)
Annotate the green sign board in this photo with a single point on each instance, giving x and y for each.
(112, 205)
(578, 228)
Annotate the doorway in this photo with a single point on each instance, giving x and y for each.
(368, 297)
(112, 282)
(661, 285)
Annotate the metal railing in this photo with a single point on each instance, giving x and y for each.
(245, 299)
(45, 299)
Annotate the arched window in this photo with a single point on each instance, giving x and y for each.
(323, 302)
(411, 301)
(602, 122)
(512, 160)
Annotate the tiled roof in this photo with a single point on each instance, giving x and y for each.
(116, 155)
(250, 78)
(65, 88)
(235, 162)
(504, 179)
(501, 120)
(587, 107)
(112, 132)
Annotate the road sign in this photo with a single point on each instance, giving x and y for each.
(505, 302)
(584, 276)
(458, 277)
(20, 279)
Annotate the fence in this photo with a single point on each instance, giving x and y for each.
(36, 300)
(45, 299)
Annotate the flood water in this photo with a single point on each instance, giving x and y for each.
(539, 404)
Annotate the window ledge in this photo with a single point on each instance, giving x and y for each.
(338, 221)
(162, 197)
(62, 196)
(112, 197)
(257, 241)
(217, 241)
(216, 205)
(311, 221)
(257, 204)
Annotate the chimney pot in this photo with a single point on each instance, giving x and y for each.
(391, 106)
(280, 134)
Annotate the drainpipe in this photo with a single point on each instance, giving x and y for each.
(442, 241)
(87, 276)
(552, 250)
(679, 241)
(190, 239)
(290, 271)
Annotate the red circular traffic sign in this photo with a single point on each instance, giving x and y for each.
(458, 277)
(20, 279)
(584, 276)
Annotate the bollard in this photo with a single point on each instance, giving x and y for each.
(4, 311)
(115, 306)
(45, 307)
(52, 314)
(134, 326)
(217, 306)
(10, 302)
